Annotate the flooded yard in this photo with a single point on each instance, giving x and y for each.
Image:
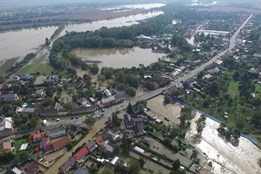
(170, 111)
(119, 58)
(226, 158)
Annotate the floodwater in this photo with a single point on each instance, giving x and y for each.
(116, 22)
(19, 43)
(226, 158)
(118, 58)
(170, 111)
(135, 6)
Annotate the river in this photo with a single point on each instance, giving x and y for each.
(118, 58)
(20, 42)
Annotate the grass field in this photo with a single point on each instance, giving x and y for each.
(19, 142)
(37, 65)
(233, 89)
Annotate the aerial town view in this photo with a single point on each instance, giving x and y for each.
(130, 87)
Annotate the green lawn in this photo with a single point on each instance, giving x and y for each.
(258, 89)
(233, 89)
(19, 142)
(37, 65)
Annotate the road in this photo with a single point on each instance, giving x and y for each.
(107, 114)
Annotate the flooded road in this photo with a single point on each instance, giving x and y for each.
(95, 129)
(226, 158)
(118, 58)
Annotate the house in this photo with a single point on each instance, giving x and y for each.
(31, 168)
(84, 102)
(44, 143)
(81, 171)
(6, 147)
(57, 145)
(139, 127)
(48, 112)
(26, 77)
(6, 126)
(151, 115)
(107, 93)
(37, 137)
(28, 111)
(79, 156)
(6, 86)
(56, 132)
(207, 77)
(129, 124)
(99, 140)
(14, 78)
(105, 147)
(108, 101)
(8, 97)
(91, 145)
(67, 165)
(215, 70)
(52, 80)
(39, 93)
(15, 170)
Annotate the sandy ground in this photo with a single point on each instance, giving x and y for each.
(170, 111)
(227, 159)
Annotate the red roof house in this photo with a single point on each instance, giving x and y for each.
(99, 139)
(36, 137)
(81, 153)
(61, 143)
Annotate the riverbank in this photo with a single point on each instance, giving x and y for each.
(5, 64)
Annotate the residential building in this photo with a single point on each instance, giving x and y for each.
(31, 168)
(74, 130)
(79, 156)
(8, 97)
(56, 132)
(38, 136)
(129, 124)
(61, 143)
(91, 145)
(6, 126)
(67, 165)
(6, 147)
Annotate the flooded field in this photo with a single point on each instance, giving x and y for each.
(19, 43)
(118, 58)
(170, 111)
(226, 158)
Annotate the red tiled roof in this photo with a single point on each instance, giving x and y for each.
(37, 135)
(62, 142)
(81, 153)
(99, 139)
(48, 147)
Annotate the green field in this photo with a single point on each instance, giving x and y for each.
(19, 142)
(37, 65)
(233, 89)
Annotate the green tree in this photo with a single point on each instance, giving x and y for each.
(134, 167)
(94, 69)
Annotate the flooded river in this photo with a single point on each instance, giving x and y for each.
(19, 43)
(118, 58)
